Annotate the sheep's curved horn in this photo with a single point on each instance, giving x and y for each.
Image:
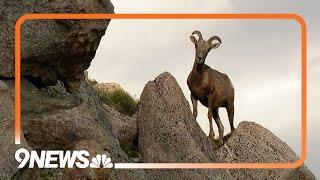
(198, 33)
(214, 38)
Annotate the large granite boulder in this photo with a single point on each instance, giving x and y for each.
(169, 133)
(52, 50)
(253, 143)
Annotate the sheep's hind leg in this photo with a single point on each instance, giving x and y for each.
(219, 124)
(230, 110)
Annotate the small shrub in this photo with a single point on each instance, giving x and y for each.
(92, 82)
(119, 100)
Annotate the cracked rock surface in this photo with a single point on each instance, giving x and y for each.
(51, 50)
(252, 143)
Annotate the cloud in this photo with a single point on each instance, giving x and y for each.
(169, 6)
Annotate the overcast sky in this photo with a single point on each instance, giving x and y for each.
(261, 57)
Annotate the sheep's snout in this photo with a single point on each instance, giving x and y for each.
(199, 60)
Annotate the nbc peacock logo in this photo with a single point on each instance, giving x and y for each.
(101, 161)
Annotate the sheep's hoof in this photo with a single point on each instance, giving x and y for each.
(232, 130)
(221, 141)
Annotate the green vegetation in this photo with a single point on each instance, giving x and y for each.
(119, 99)
(92, 82)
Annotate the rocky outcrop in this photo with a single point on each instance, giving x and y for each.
(52, 118)
(123, 126)
(52, 50)
(255, 144)
(72, 117)
(108, 87)
(168, 131)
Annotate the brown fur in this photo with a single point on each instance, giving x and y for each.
(212, 88)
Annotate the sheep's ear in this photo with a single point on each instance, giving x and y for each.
(215, 45)
(193, 39)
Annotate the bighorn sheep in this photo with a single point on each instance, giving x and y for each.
(212, 88)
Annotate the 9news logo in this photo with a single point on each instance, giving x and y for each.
(61, 159)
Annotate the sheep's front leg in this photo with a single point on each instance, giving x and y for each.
(219, 124)
(210, 114)
(194, 106)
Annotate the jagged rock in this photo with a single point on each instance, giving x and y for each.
(8, 164)
(169, 133)
(255, 144)
(52, 50)
(52, 118)
(125, 127)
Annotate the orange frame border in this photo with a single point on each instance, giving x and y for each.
(295, 17)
